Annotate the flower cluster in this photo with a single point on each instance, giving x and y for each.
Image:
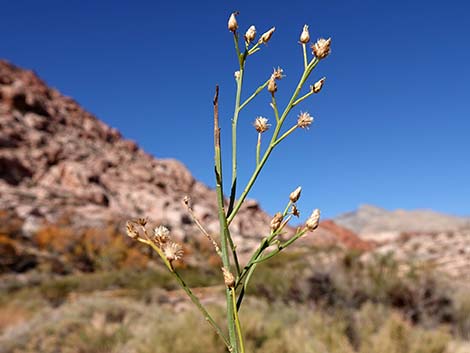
(136, 229)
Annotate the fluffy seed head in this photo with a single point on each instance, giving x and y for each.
(250, 34)
(295, 195)
(266, 36)
(313, 220)
(261, 124)
(305, 35)
(321, 48)
(304, 120)
(161, 234)
(232, 22)
(276, 221)
(272, 85)
(131, 230)
(172, 251)
(317, 86)
(278, 74)
(229, 279)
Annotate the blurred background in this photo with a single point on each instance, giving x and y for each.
(106, 114)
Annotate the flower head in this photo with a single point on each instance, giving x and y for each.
(172, 251)
(317, 86)
(278, 74)
(229, 279)
(161, 234)
(272, 85)
(250, 34)
(131, 230)
(232, 22)
(261, 124)
(321, 48)
(313, 220)
(266, 36)
(276, 221)
(305, 35)
(295, 195)
(304, 120)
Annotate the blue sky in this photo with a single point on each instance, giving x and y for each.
(392, 123)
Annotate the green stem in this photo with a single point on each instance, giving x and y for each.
(302, 98)
(280, 247)
(237, 322)
(304, 46)
(287, 133)
(224, 231)
(274, 105)
(258, 148)
(250, 98)
(201, 308)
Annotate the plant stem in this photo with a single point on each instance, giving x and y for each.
(201, 308)
(258, 148)
(237, 322)
(304, 46)
(224, 231)
(302, 98)
(287, 133)
(250, 98)
(274, 105)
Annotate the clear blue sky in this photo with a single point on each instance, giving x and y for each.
(392, 124)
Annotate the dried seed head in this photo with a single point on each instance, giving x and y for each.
(304, 120)
(272, 85)
(313, 220)
(161, 234)
(278, 74)
(236, 74)
(187, 201)
(131, 230)
(229, 279)
(317, 86)
(295, 211)
(261, 124)
(142, 221)
(232, 22)
(266, 36)
(276, 221)
(172, 251)
(250, 34)
(305, 35)
(295, 195)
(321, 48)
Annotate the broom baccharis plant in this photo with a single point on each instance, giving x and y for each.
(236, 277)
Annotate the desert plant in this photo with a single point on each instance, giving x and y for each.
(235, 276)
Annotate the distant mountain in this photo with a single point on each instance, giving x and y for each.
(375, 223)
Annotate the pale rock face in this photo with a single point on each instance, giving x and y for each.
(56, 158)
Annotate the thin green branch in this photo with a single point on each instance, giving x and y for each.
(287, 133)
(302, 98)
(274, 106)
(237, 322)
(258, 148)
(250, 98)
(304, 47)
(224, 231)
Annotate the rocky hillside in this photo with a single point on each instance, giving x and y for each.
(61, 165)
(377, 224)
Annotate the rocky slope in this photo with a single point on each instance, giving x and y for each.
(377, 224)
(60, 164)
